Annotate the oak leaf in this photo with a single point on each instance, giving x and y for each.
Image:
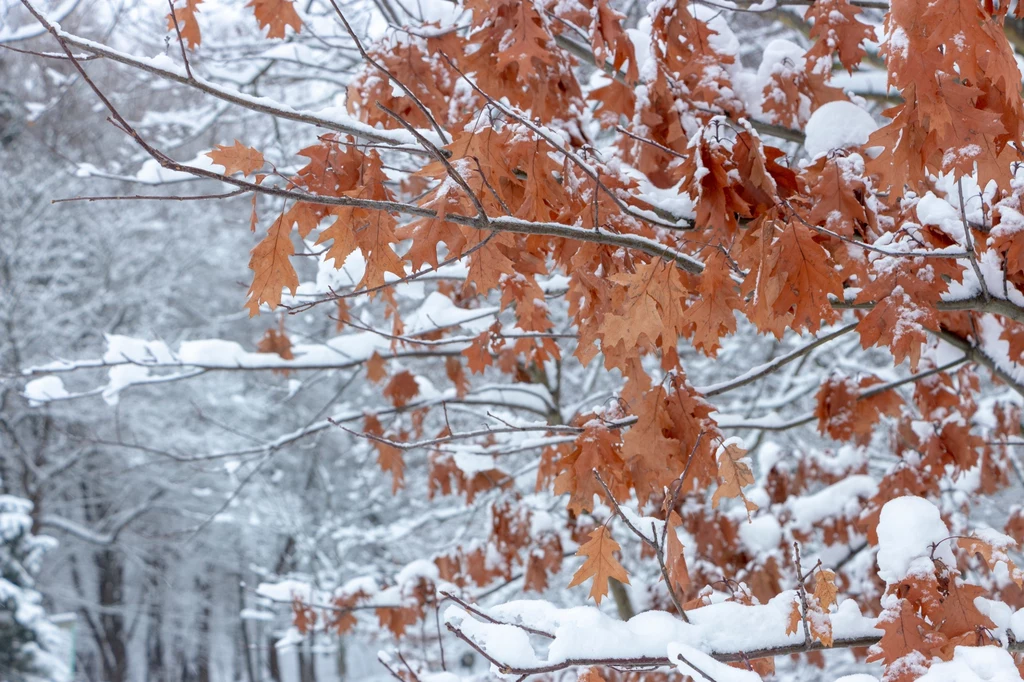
(837, 30)
(959, 615)
(525, 39)
(825, 590)
(453, 368)
(544, 560)
(275, 341)
(758, 182)
(274, 15)
(478, 353)
(236, 158)
(904, 633)
(733, 474)
(402, 388)
(371, 230)
(640, 314)
(427, 233)
(187, 23)
(490, 262)
(706, 174)
(820, 626)
(303, 615)
(341, 618)
(601, 564)
(590, 675)
(994, 550)
(848, 410)
(647, 448)
(675, 560)
(397, 618)
(376, 368)
(905, 291)
(837, 191)
(607, 36)
(597, 448)
(713, 314)
(902, 141)
(794, 619)
(802, 277)
(388, 456)
(272, 268)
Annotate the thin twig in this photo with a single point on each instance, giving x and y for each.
(803, 594)
(969, 243)
(445, 137)
(651, 542)
(181, 40)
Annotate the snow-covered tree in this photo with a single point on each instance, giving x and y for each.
(652, 299)
(31, 648)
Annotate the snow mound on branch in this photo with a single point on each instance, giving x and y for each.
(121, 377)
(284, 591)
(141, 351)
(44, 389)
(698, 665)
(844, 497)
(931, 210)
(778, 52)
(761, 534)
(416, 570)
(910, 529)
(152, 173)
(586, 633)
(974, 664)
(837, 125)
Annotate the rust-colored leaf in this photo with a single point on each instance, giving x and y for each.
(187, 22)
(275, 15)
(237, 158)
(733, 474)
(272, 268)
(601, 564)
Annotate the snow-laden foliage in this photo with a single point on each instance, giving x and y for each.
(599, 339)
(31, 648)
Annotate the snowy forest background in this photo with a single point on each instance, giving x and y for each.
(160, 548)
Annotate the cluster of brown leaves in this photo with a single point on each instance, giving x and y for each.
(928, 615)
(272, 15)
(778, 244)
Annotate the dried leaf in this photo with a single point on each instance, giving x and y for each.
(237, 158)
(188, 24)
(376, 368)
(274, 15)
(601, 564)
(402, 388)
(825, 590)
(733, 474)
(272, 269)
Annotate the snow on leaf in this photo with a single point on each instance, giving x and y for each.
(825, 590)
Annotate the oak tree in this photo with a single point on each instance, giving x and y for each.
(724, 339)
